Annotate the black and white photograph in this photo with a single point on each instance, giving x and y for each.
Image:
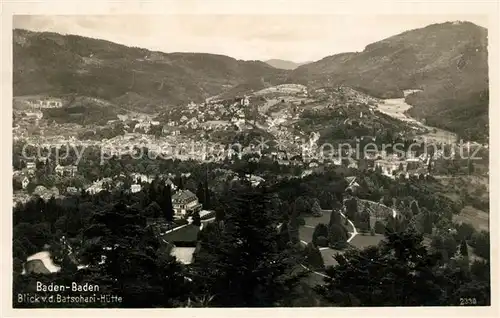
(250, 161)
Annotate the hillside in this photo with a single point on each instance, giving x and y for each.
(54, 64)
(448, 61)
(284, 65)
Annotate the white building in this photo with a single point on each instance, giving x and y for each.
(135, 188)
(25, 182)
(185, 201)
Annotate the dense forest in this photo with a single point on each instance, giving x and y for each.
(254, 243)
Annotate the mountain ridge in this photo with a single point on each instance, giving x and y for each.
(447, 61)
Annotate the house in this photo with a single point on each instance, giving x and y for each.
(352, 184)
(169, 182)
(135, 188)
(72, 190)
(31, 167)
(94, 189)
(66, 170)
(245, 101)
(25, 182)
(184, 202)
(313, 164)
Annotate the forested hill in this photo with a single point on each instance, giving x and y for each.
(51, 63)
(448, 61)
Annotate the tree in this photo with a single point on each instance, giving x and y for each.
(196, 218)
(247, 254)
(428, 224)
(367, 277)
(293, 226)
(450, 244)
(207, 203)
(320, 230)
(470, 166)
(132, 267)
(153, 210)
(414, 207)
(284, 238)
(379, 227)
(364, 221)
(335, 218)
(351, 206)
(337, 236)
(481, 243)
(181, 182)
(167, 207)
(200, 193)
(302, 205)
(316, 209)
(464, 251)
(464, 231)
(313, 258)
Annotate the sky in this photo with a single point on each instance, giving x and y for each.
(297, 38)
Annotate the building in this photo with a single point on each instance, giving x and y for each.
(25, 182)
(66, 170)
(72, 190)
(94, 189)
(135, 188)
(184, 202)
(31, 167)
(352, 184)
(169, 182)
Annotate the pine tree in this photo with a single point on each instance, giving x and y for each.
(321, 230)
(316, 209)
(181, 182)
(249, 270)
(364, 221)
(284, 239)
(352, 209)
(428, 224)
(337, 236)
(152, 192)
(207, 196)
(414, 207)
(149, 279)
(293, 226)
(464, 251)
(335, 218)
(200, 193)
(313, 258)
(470, 166)
(168, 210)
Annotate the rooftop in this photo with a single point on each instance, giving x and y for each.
(184, 196)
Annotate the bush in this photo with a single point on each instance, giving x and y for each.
(481, 243)
(322, 241)
(379, 227)
(321, 230)
(337, 235)
(313, 258)
(301, 221)
(316, 209)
